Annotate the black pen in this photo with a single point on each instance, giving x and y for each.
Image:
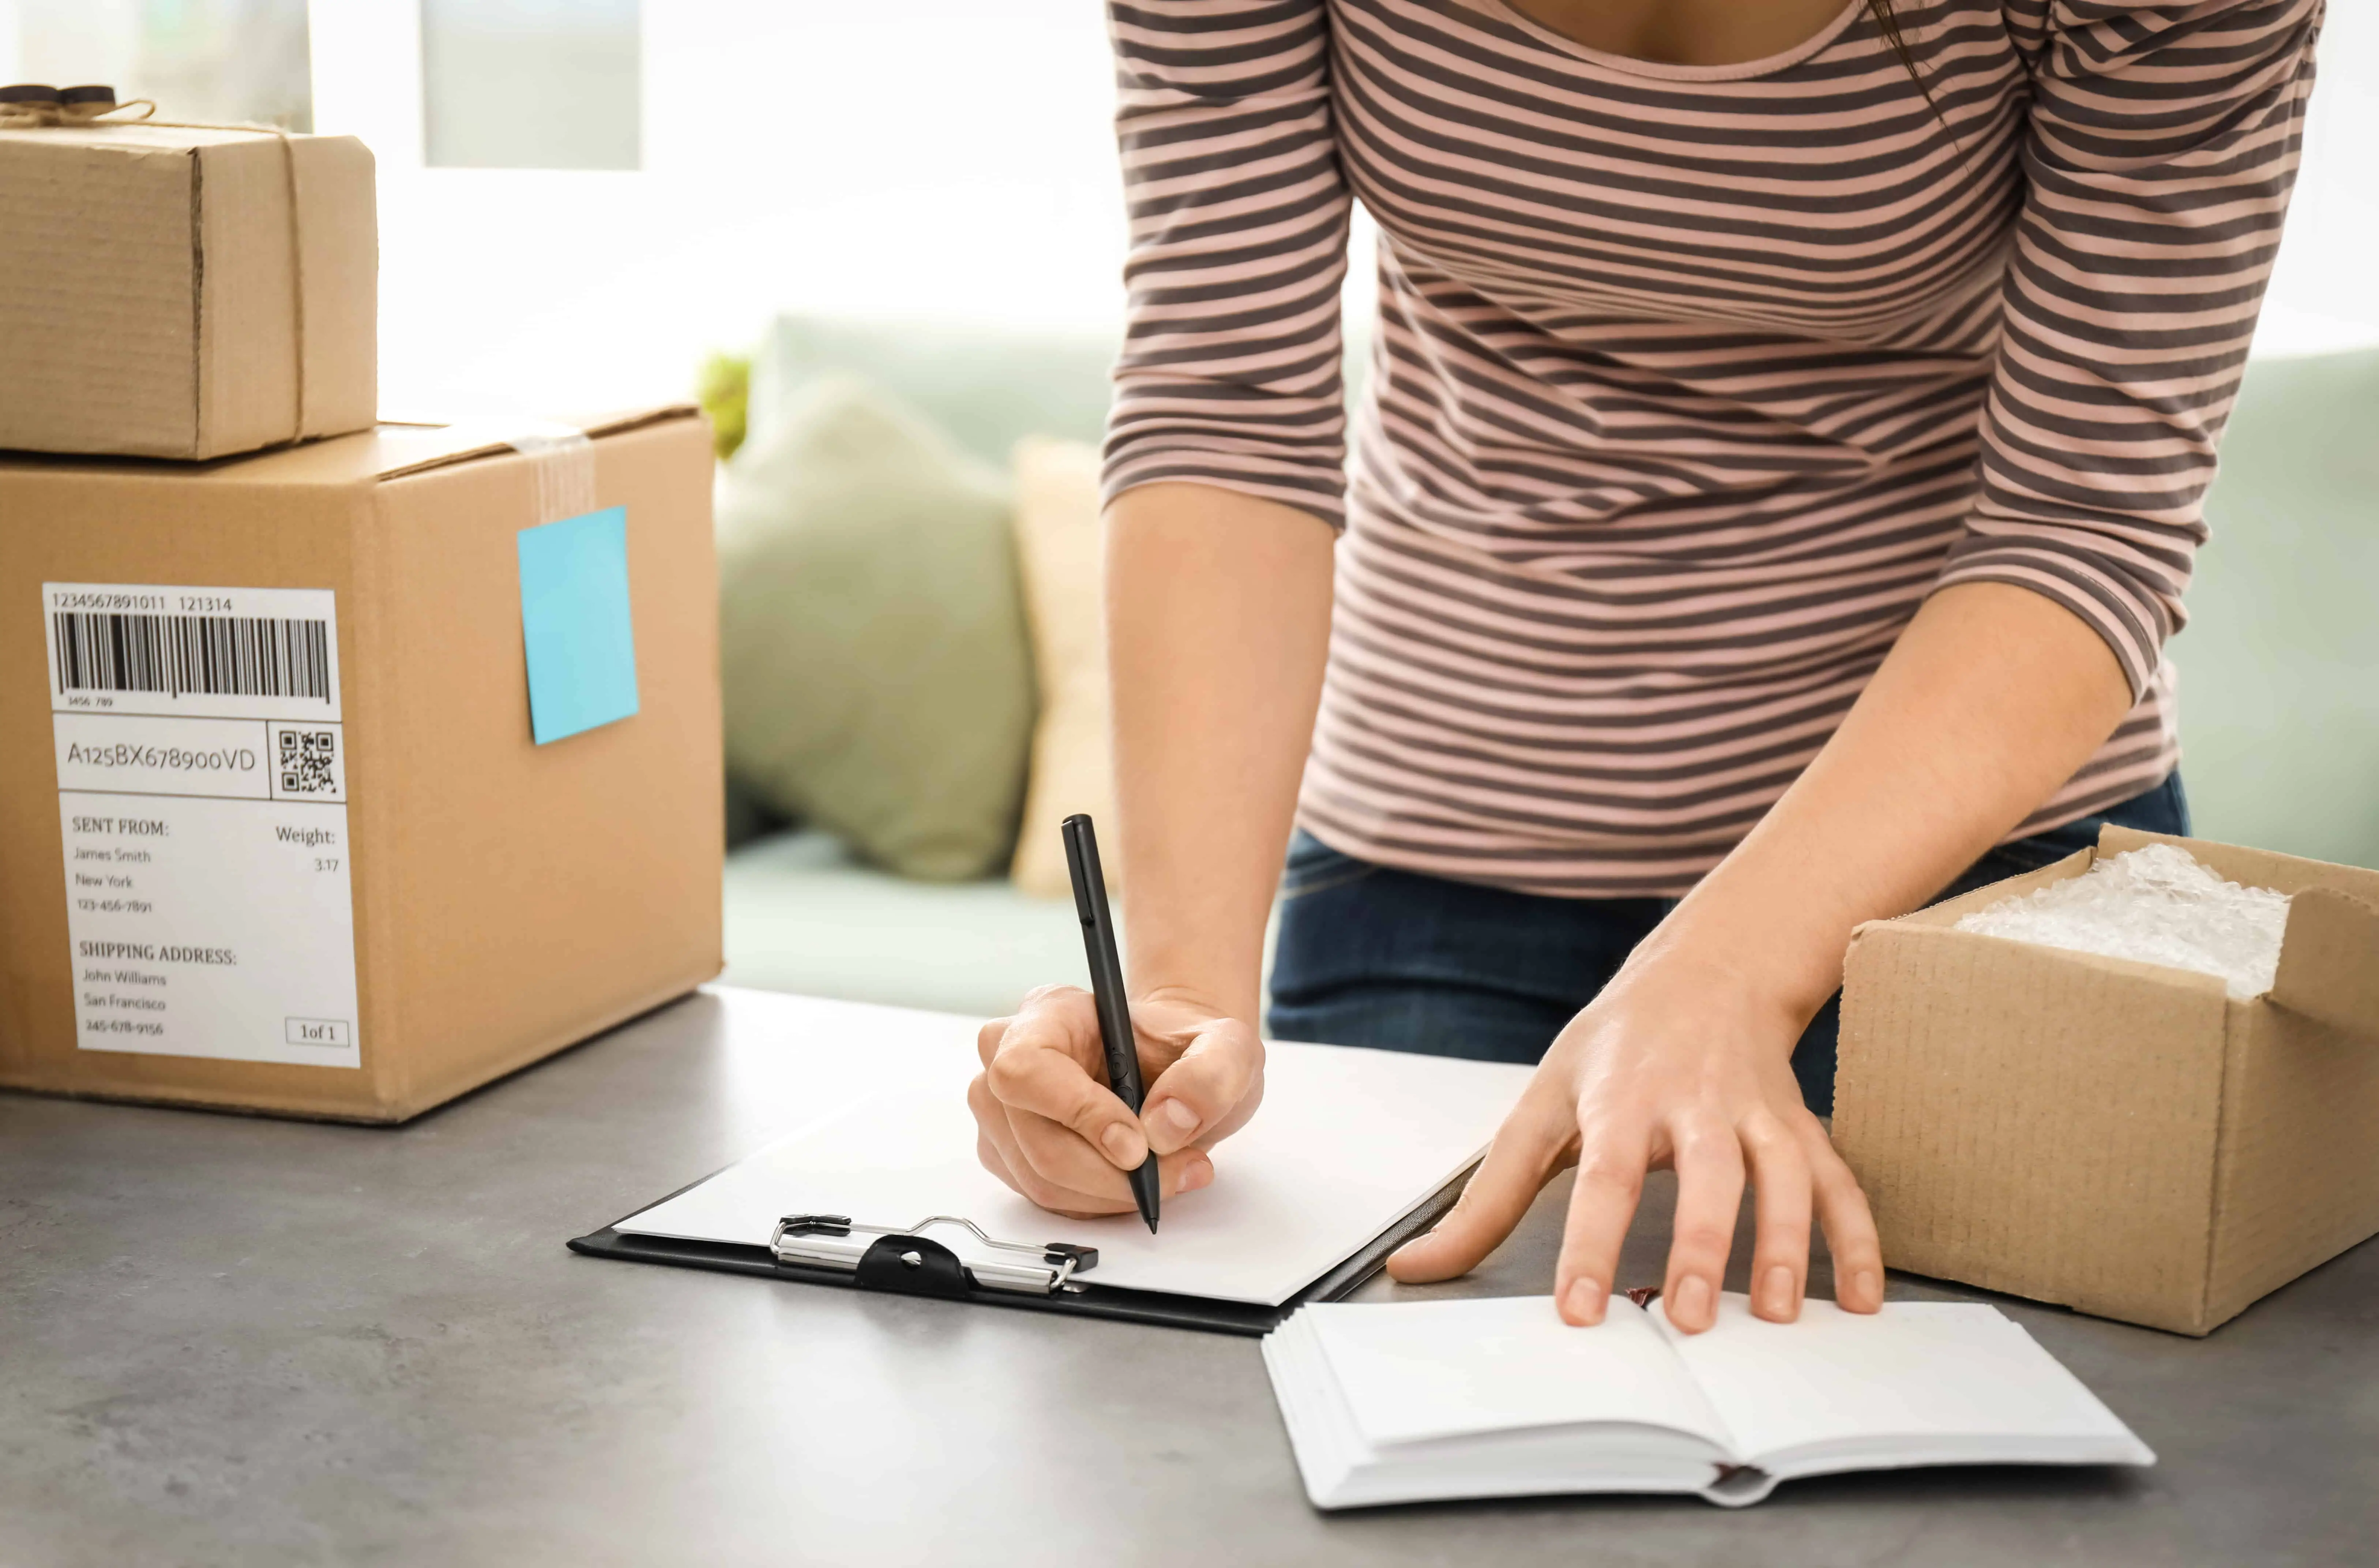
(1106, 990)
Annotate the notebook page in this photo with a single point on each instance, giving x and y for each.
(1415, 1370)
(1918, 1378)
(1347, 1141)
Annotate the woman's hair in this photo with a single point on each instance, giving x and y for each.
(1887, 22)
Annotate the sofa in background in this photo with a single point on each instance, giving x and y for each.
(873, 648)
(804, 913)
(2279, 663)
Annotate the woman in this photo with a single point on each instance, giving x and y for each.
(1779, 476)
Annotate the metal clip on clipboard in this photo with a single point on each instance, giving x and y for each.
(829, 1249)
(905, 1260)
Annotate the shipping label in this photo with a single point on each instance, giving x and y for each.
(202, 800)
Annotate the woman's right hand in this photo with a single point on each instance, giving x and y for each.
(1218, 621)
(1049, 1127)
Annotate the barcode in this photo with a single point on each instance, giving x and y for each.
(245, 655)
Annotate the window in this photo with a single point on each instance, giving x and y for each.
(531, 84)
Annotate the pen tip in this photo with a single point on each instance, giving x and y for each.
(1152, 1223)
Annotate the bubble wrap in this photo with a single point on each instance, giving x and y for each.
(2157, 905)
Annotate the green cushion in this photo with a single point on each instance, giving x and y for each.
(747, 817)
(2279, 663)
(871, 640)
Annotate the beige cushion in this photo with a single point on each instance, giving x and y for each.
(873, 655)
(1057, 547)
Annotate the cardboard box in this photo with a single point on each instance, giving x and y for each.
(287, 843)
(2118, 1136)
(161, 296)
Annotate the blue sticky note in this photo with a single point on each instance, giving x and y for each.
(574, 622)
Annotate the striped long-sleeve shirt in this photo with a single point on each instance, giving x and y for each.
(1691, 382)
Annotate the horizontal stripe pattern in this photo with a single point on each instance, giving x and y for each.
(1689, 385)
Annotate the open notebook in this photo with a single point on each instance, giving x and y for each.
(1349, 1143)
(1498, 1398)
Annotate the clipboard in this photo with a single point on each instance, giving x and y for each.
(1055, 1276)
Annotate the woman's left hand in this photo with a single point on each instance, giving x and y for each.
(1677, 1063)
(1992, 698)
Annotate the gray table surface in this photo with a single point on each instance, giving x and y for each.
(232, 1340)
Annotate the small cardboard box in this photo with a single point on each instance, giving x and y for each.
(186, 293)
(274, 832)
(2118, 1136)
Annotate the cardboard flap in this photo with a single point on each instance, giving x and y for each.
(395, 448)
(2329, 961)
(412, 449)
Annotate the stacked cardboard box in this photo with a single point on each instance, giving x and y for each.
(184, 292)
(357, 771)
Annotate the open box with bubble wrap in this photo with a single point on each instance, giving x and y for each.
(2127, 1139)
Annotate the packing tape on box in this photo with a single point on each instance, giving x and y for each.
(562, 464)
(26, 106)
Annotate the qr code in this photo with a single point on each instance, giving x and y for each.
(307, 762)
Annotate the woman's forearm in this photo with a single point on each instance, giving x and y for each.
(1218, 623)
(1992, 698)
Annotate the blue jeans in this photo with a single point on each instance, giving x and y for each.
(1371, 956)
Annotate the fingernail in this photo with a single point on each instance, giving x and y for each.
(1123, 1146)
(1776, 1293)
(1174, 1119)
(1869, 1285)
(1197, 1174)
(1586, 1299)
(1689, 1304)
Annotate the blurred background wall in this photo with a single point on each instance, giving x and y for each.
(580, 197)
(210, 59)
